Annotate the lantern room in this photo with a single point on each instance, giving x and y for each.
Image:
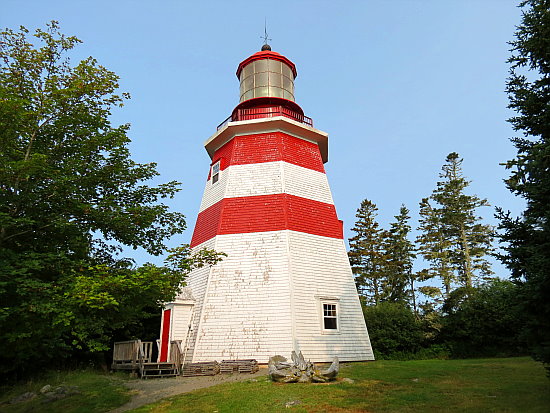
(266, 74)
(266, 89)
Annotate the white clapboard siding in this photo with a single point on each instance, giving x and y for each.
(320, 271)
(181, 317)
(246, 311)
(267, 178)
(306, 183)
(265, 299)
(197, 281)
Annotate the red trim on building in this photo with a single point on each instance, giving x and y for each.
(267, 213)
(207, 224)
(267, 54)
(269, 147)
(165, 335)
(265, 101)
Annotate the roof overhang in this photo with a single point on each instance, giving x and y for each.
(266, 125)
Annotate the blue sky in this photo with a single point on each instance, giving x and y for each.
(397, 85)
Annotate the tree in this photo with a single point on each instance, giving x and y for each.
(394, 331)
(70, 195)
(434, 247)
(119, 299)
(400, 252)
(366, 253)
(526, 239)
(453, 239)
(484, 321)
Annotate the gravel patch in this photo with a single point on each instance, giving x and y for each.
(151, 390)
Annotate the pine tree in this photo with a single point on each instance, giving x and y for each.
(453, 239)
(400, 278)
(527, 238)
(471, 240)
(434, 247)
(367, 253)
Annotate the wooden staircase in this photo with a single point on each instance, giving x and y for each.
(135, 355)
(157, 370)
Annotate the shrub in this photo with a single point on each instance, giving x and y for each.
(484, 322)
(394, 331)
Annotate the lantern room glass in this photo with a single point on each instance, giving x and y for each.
(266, 77)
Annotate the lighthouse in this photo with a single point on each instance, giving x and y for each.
(286, 283)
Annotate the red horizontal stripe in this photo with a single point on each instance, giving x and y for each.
(267, 213)
(207, 224)
(269, 147)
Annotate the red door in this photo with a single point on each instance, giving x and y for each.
(165, 335)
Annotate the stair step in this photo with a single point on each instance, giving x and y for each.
(158, 365)
(160, 368)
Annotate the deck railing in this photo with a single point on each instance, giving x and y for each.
(266, 112)
(176, 354)
(130, 351)
(129, 354)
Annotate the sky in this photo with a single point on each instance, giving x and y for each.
(397, 85)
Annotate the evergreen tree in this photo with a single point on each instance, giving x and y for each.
(400, 278)
(367, 253)
(453, 239)
(471, 240)
(527, 238)
(434, 247)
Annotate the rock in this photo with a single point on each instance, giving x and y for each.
(292, 403)
(53, 396)
(25, 397)
(60, 392)
(45, 389)
(66, 390)
(299, 370)
(348, 380)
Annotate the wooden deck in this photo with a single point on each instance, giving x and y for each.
(135, 355)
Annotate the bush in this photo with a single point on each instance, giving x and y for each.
(394, 331)
(484, 322)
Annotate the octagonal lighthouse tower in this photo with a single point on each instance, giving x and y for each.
(286, 283)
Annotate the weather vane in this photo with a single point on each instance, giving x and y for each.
(265, 36)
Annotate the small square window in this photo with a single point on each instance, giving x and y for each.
(215, 172)
(330, 317)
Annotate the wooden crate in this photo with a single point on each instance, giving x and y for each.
(210, 368)
(239, 366)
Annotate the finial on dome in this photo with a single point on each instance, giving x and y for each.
(266, 38)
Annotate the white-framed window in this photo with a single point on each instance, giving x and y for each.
(215, 172)
(329, 314)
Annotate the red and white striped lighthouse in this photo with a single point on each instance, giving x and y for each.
(286, 283)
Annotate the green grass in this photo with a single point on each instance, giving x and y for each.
(482, 385)
(98, 393)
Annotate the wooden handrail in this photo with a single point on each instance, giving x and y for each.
(176, 354)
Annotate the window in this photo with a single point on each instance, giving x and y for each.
(330, 319)
(215, 172)
(266, 77)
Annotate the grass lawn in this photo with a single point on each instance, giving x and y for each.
(478, 385)
(98, 393)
